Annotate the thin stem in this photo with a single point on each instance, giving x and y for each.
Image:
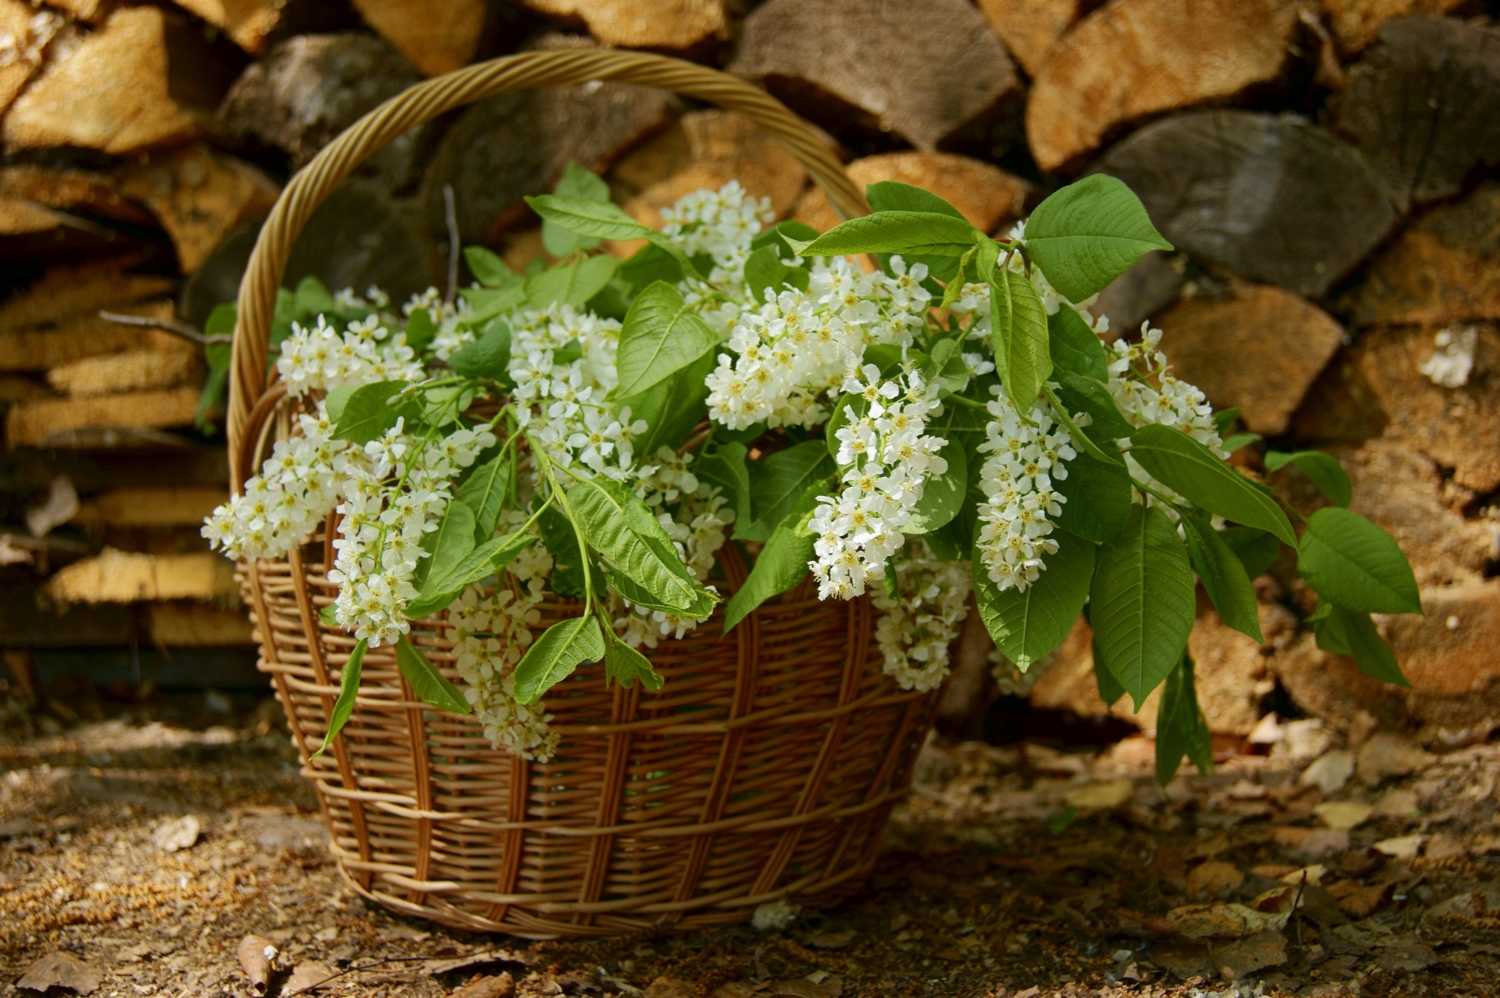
(562, 498)
(450, 216)
(173, 326)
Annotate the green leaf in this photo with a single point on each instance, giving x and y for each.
(1110, 690)
(781, 564)
(420, 329)
(1256, 549)
(776, 236)
(1323, 469)
(942, 495)
(723, 465)
(1224, 577)
(629, 538)
(945, 366)
(426, 682)
(1098, 499)
(1107, 425)
(573, 284)
(1142, 602)
(625, 665)
(485, 490)
(371, 410)
(313, 298)
(579, 184)
(1354, 564)
(1346, 632)
(218, 357)
(555, 655)
(488, 356)
(343, 707)
(764, 270)
(588, 217)
(662, 335)
(487, 303)
(488, 269)
(778, 481)
(438, 590)
(647, 265)
(562, 544)
(328, 616)
(1199, 475)
(1028, 625)
(1241, 440)
(1076, 348)
(892, 195)
(672, 409)
(907, 232)
(1088, 233)
(1180, 727)
(448, 545)
(1018, 335)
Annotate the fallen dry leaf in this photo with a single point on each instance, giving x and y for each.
(1100, 796)
(1329, 771)
(306, 977)
(500, 985)
(1402, 846)
(1221, 921)
(1342, 815)
(255, 956)
(1246, 956)
(59, 969)
(1214, 878)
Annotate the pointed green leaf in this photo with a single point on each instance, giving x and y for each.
(562, 544)
(580, 184)
(1352, 563)
(723, 466)
(1018, 335)
(573, 284)
(1110, 690)
(1098, 498)
(372, 409)
(942, 495)
(781, 564)
(1142, 603)
(1081, 394)
(1322, 469)
(588, 217)
(625, 665)
(448, 545)
(1255, 549)
(778, 481)
(343, 707)
(485, 560)
(488, 269)
(1088, 233)
(488, 356)
(485, 490)
(426, 682)
(1346, 632)
(1075, 346)
(1180, 727)
(892, 195)
(1204, 479)
(662, 334)
(555, 655)
(1224, 577)
(1028, 625)
(907, 232)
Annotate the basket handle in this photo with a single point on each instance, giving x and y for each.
(433, 97)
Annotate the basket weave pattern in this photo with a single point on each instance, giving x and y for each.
(766, 768)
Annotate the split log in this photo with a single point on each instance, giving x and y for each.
(246, 22)
(19, 388)
(31, 33)
(130, 371)
(1134, 58)
(1445, 268)
(931, 73)
(1273, 199)
(79, 192)
(663, 24)
(1423, 106)
(115, 576)
(310, 88)
(987, 196)
(28, 621)
(90, 11)
(151, 506)
(436, 41)
(37, 349)
(1029, 28)
(144, 78)
(1150, 285)
(62, 293)
(50, 421)
(200, 196)
(1279, 343)
(1377, 388)
(194, 625)
(1356, 22)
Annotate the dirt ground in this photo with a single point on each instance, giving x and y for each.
(141, 844)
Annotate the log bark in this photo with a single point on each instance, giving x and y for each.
(35, 424)
(130, 371)
(662, 24)
(987, 196)
(199, 196)
(115, 576)
(436, 40)
(38, 349)
(1029, 28)
(1356, 22)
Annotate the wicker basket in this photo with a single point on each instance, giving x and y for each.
(765, 769)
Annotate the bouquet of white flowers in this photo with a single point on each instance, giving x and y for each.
(947, 425)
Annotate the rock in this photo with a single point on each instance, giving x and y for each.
(1150, 285)
(709, 149)
(1279, 341)
(518, 143)
(1214, 879)
(1222, 184)
(1029, 27)
(145, 78)
(1114, 68)
(1448, 653)
(435, 43)
(277, 832)
(90, 11)
(501, 985)
(1332, 689)
(987, 196)
(156, 506)
(1445, 268)
(257, 957)
(247, 22)
(1422, 104)
(663, 24)
(310, 88)
(1342, 815)
(930, 73)
(49, 422)
(60, 969)
(200, 196)
(130, 371)
(177, 834)
(1305, 739)
(1356, 22)
(1329, 771)
(1378, 387)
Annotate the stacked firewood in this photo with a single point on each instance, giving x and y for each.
(1326, 170)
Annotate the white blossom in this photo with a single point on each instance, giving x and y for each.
(320, 358)
(1452, 358)
(918, 625)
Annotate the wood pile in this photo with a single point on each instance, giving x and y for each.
(1327, 169)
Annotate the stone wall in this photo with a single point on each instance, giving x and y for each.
(1326, 170)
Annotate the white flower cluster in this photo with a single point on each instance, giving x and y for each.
(320, 358)
(297, 486)
(799, 345)
(1452, 359)
(918, 626)
(395, 491)
(719, 223)
(561, 405)
(491, 628)
(1025, 458)
(886, 457)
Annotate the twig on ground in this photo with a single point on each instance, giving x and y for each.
(172, 326)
